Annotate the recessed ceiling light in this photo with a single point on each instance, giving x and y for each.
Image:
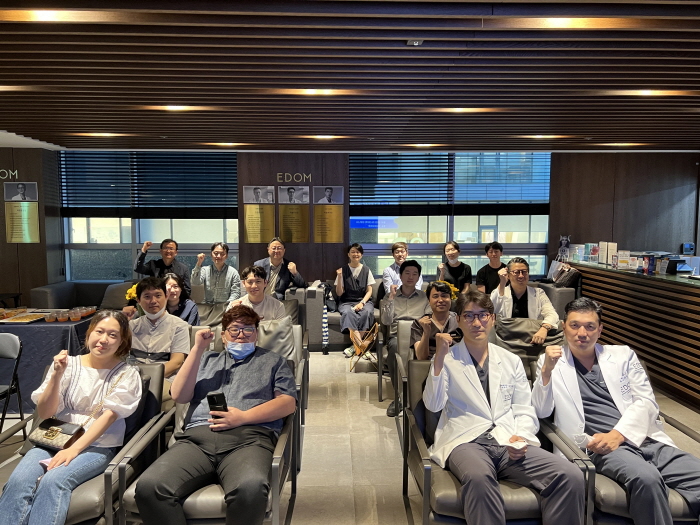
(102, 134)
(324, 137)
(314, 92)
(623, 144)
(15, 88)
(649, 92)
(226, 144)
(180, 108)
(544, 136)
(466, 110)
(65, 15)
(423, 145)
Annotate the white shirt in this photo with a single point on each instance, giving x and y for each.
(269, 309)
(81, 390)
(355, 273)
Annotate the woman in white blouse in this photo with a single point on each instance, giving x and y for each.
(39, 489)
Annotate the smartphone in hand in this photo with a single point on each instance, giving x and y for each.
(217, 401)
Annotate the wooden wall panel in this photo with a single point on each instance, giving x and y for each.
(659, 319)
(642, 201)
(581, 198)
(9, 262)
(315, 261)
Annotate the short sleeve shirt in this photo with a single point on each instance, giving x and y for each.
(417, 331)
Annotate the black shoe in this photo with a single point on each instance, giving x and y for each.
(391, 409)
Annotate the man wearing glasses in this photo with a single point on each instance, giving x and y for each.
(233, 446)
(487, 426)
(521, 300)
(167, 263)
(281, 273)
(222, 284)
(392, 274)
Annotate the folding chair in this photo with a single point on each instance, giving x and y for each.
(11, 348)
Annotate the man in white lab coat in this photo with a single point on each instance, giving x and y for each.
(605, 403)
(487, 427)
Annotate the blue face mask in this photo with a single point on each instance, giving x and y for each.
(239, 350)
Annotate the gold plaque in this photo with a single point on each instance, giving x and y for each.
(294, 222)
(258, 222)
(328, 223)
(22, 222)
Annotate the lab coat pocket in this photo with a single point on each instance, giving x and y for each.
(626, 390)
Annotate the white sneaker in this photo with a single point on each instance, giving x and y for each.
(349, 351)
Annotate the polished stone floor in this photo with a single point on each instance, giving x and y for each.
(351, 466)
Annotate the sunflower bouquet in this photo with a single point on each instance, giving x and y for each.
(453, 290)
(131, 294)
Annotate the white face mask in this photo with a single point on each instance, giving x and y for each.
(239, 350)
(156, 315)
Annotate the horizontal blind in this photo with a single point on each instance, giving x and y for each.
(400, 178)
(140, 179)
(502, 177)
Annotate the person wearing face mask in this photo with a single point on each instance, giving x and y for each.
(454, 271)
(157, 336)
(521, 300)
(266, 306)
(235, 446)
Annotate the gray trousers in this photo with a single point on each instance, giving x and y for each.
(391, 346)
(240, 459)
(479, 467)
(646, 472)
(352, 320)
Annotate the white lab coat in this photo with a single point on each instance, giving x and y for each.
(627, 383)
(538, 305)
(466, 413)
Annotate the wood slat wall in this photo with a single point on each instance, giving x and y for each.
(659, 319)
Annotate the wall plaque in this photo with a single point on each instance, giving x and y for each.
(22, 222)
(258, 222)
(328, 223)
(294, 222)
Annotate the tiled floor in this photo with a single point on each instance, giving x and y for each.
(351, 467)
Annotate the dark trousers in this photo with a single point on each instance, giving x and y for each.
(392, 345)
(646, 472)
(479, 467)
(239, 459)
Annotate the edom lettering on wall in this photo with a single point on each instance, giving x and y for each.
(9, 174)
(294, 177)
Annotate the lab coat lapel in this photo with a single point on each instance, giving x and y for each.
(611, 374)
(570, 380)
(477, 396)
(495, 382)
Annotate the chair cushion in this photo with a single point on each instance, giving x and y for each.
(611, 498)
(277, 336)
(115, 296)
(291, 308)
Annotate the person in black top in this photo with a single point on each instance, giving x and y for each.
(487, 277)
(453, 271)
(168, 263)
(353, 284)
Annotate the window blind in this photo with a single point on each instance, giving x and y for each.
(140, 179)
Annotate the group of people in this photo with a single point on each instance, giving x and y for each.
(489, 415)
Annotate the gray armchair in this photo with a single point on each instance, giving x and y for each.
(68, 294)
(95, 500)
(559, 297)
(206, 505)
(439, 488)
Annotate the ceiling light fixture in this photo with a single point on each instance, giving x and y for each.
(180, 108)
(623, 144)
(323, 137)
(313, 92)
(544, 136)
(422, 145)
(15, 88)
(466, 110)
(226, 144)
(649, 92)
(102, 134)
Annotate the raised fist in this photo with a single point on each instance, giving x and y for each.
(200, 259)
(292, 268)
(146, 246)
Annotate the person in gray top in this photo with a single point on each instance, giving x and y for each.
(403, 302)
(234, 446)
(222, 284)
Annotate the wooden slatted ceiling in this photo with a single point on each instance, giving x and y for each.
(660, 320)
(551, 68)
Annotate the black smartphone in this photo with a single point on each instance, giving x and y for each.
(217, 401)
(457, 335)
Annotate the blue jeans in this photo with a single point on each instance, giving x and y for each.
(23, 502)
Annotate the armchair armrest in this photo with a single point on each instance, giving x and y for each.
(693, 434)
(418, 442)
(5, 435)
(278, 471)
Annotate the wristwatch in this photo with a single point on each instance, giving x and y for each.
(547, 326)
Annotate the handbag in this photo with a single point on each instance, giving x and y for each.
(567, 277)
(53, 434)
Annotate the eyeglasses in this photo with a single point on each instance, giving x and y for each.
(519, 272)
(234, 332)
(218, 254)
(482, 316)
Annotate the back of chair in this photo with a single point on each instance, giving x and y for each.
(278, 337)
(291, 308)
(403, 340)
(426, 420)
(10, 346)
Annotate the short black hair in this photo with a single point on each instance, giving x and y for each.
(276, 239)
(409, 264)
(180, 282)
(518, 260)
(256, 188)
(168, 241)
(439, 286)
(493, 245)
(472, 296)
(357, 246)
(327, 188)
(584, 304)
(150, 283)
(453, 244)
(223, 245)
(257, 271)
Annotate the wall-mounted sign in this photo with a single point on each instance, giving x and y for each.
(22, 222)
(293, 194)
(259, 194)
(294, 223)
(258, 222)
(8, 174)
(328, 194)
(21, 191)
(293, 177)
(328, 223)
